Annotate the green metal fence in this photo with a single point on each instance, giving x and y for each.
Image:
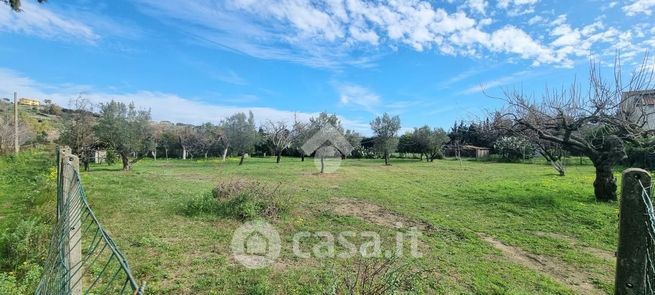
(82, 259)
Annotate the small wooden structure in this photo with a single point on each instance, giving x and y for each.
(467, 151)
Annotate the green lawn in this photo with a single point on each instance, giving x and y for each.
(493, 228)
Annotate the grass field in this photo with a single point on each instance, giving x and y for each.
(488, 228)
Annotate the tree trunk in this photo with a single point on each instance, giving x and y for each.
(302, 157)
(154, 155)
(126, 161)
(322, 163)
(184, 153)
(224, 153)
(278, 154)
(605, 183)
(166, 152)
(241, 161)
(206, 154)
(386, 159)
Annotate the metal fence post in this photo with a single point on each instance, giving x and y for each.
(633, 237)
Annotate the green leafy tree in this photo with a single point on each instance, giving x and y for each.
(123, 129)
(240, 134)
(386, 130)
(316, 124)
(15, 4)
(429, 142)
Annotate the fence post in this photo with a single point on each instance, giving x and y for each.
(71, 212)
(633, 233)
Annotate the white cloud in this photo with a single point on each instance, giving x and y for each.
(41, 22)
(334, 33)
(639, 6)
(479, 6)
(163, 106)
(502, 81)
(351, 94)
(517, 7)
(331, 34)
(536, 20)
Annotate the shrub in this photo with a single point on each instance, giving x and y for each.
(513, 148)
(28, 241)
(640, 155)
(377, 276)
(242, 199)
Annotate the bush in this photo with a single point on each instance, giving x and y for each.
(513, 149)
(29, 181)
(378, 276)
(242, 199)
(640, 156)
(27, 241)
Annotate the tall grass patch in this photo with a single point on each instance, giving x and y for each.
(242, 199)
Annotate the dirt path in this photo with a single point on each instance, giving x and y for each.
(565, 274)
(600, 253)
(376, 214)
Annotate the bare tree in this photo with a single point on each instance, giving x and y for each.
(279, 135)
(207, 136)
(78, 130)
(595, 121)
(301, 131)
(156, 139)
(7, 132)
(186, 134)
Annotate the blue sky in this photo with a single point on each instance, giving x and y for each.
(200, 60)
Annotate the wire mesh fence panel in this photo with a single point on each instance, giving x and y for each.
(649, 255)
(82, 258)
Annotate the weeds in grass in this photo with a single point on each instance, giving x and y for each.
(377, 276)
(242, 199)
(29, 183)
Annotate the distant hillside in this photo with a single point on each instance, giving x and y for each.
(45, 119)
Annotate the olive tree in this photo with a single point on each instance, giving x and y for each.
(429, 142)
(386, 130)
(123, 129)
(318, 125)
(240, 133)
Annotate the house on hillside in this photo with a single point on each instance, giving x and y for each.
(29, 102)
(640, 106)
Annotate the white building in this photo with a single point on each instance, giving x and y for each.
(640, 106)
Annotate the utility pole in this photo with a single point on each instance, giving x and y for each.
(16, 146)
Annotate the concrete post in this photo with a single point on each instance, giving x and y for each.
(71, 211)
(633, 233)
